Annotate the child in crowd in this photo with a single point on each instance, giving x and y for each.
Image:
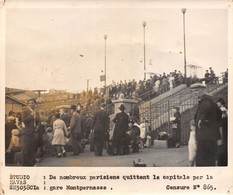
(48, 137)
(14, 143)
(14, 148)
(192, 144)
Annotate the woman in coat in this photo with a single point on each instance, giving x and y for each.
(60, 131)
(176, 127)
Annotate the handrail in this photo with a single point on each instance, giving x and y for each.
(149, 93)
(183, 95)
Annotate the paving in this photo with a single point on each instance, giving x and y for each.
(169, 157)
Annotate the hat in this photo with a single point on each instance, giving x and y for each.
(32, 99)
(221, 101)
(102, 105)
(57, 115)
(131, 121)
(176, 107)
(73, 107)
(122, 107)
(197, 86)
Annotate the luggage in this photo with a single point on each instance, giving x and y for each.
(91, 141)
(148, 141)
(160, 144)
(171, 143)
(139, 163)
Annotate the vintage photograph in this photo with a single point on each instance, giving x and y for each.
(116, 87)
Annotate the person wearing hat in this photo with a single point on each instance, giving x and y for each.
(207, 77)
(100, 126)
(28, 135)
(207, 121)
(66, 117)
(121, 121)
(75, 131)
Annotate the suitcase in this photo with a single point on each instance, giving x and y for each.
(160, 144)
(139, 163)
(171, 143)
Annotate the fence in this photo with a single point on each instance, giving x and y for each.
(159, 113)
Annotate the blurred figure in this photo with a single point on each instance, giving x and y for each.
(40, 130)
(89, 123)
(207, 77)
(10, 124)
(192, 144)
(222, 143)
(18, 121)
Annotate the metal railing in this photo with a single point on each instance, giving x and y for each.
(159, 113)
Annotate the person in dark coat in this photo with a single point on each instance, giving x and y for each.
(28, 135)
(89, 123)
(176, 127)
(66, 117)
(100, 126)
(207, 77)
(40, 130)
(121, 121)
(134, 136)
(207, 122)
(75, 131)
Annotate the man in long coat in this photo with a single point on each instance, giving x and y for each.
(207, 122)
(100, 126)
(75, 131)
(28, 134)
(121, 120)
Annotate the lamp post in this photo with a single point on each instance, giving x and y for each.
(144, 35)
(105, 37)
(87, 85)
(185, 68)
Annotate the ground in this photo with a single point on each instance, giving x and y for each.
(170, 157)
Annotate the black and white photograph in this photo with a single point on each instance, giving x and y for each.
(114, 86)
(110, 87)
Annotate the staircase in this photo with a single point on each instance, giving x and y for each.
(159, 110)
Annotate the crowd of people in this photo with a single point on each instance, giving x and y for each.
(155, 85)
(34, 135)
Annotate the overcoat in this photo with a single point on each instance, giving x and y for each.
(207, 122)
(121, 120)
(29, 136)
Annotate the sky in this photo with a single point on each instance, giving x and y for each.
(57, 48)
